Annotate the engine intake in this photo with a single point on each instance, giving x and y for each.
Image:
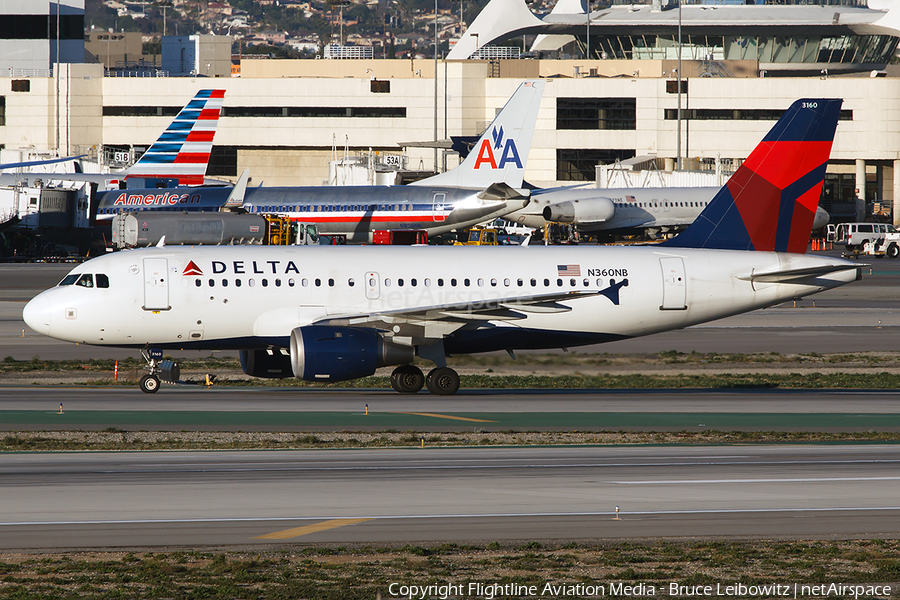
(325, 353)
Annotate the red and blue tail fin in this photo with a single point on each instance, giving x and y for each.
(770, 202)
(182, 151)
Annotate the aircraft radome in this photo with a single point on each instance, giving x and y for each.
(338, 313)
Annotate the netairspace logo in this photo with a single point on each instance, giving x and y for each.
(490, 591)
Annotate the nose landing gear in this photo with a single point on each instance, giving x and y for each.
(159, 370)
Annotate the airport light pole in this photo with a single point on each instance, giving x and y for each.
(587, 37)
(436, 170)
(678, 141)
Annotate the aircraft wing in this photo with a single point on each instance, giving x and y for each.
(426, 324)
(34, 163)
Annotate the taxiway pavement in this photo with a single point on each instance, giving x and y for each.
(117, 500)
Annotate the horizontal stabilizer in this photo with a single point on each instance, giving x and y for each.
(791, 275)
(501, 191)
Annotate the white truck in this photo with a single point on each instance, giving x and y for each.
(856, 235)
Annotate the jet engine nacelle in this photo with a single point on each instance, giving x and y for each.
(585, 210)
(325, 353)
(273, 364)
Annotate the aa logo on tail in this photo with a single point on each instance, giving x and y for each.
(507, 150)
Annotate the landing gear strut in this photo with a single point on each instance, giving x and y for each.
(149, 383)
(165, 370)
(407, 379)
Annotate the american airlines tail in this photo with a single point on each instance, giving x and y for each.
(770, 202)
(500, 154)
(182, 151)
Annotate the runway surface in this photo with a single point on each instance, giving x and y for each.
(92, 500)
(298, 409)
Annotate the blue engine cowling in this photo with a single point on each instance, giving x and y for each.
(325, 353)
(261, 362)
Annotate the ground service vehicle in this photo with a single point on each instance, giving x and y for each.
(135, 230)
(855, 235)
(400, 237)
(481, 236)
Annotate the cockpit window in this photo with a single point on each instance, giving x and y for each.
(102, 280)
(69, 279)
(86, 280)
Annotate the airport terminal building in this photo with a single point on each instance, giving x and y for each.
(285, 120)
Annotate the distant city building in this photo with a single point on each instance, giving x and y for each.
(497, 52)
(197, 55)
(114, 49)
(357, 52)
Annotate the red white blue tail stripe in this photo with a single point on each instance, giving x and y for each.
(182, 151)
(770, 202)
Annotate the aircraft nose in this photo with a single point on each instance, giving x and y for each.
(37, 314)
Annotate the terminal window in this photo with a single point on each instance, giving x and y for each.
(141, 111)
(596, 113)
(222, 161)
(579, 164)
(394, 112)
(2, 110)
(737, 114)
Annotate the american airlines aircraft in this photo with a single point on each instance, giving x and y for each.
(338, 313)
(484, 186)
(180, 153)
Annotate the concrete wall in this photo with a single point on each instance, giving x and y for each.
(472, 100)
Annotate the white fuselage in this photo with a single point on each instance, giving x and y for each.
(246, 297)
(626, 209)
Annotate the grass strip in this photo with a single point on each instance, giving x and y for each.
(363, 572)
(116, 440)
(666, 357)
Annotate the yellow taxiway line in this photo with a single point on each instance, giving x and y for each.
(452, 418)
(299, 531)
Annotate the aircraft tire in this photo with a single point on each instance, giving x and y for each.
(442, 381)
(407, 379)
(149, 384)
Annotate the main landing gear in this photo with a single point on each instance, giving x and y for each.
(408, 379)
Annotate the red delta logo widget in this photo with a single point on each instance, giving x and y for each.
(487, 154)
(192, 269)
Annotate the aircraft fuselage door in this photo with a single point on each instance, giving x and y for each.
(437, 207)
(373, 286)
(156, 284)
(674, 284)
